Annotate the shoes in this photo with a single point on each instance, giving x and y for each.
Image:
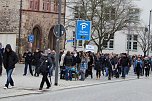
(40, 88)
(48, 87)
(5, 87)
(10, 87)
(24, 74)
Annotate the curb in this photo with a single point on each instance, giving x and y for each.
(93, 84)
(71, 87)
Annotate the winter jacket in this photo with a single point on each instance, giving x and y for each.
(140, 64)
(74, 61)
(36, 57)
(124, 61)
(68, 60)
(98, 64)
(45, 64)
(28, 57)
(0, 59)
(9, 58)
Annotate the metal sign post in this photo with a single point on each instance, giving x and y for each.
(58, 43)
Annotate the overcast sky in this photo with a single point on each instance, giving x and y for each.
(145, 6)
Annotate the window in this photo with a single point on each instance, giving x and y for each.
(132, 42)
(134, 14)
(74, 38)
(134, 45)
(46, 5)
(80, 43)
(129, 37)
(55, 5)
(109, 13)
(129, 45)
(34, 4)
(135, 37)
(31, 4)
(111, 44)
(108, 44)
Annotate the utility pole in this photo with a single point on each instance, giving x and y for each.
(149, 33)
(58, 43)
(20, 25)
(128, 41)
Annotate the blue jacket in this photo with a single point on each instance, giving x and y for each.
(141, 63)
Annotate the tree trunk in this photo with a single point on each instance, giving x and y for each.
(99, 48)
(145, 53)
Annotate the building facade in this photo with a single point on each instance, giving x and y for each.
(38, 18)
(123, 41)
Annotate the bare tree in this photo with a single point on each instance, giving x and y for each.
(107, 16)
(143, 38)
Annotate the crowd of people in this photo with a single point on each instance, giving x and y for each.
(78, 65)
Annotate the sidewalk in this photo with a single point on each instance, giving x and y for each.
(25, 85)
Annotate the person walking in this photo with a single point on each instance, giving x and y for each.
(9, 60)
(138, 66)
(0, 63)
(124, 65)
(28, 62)
(98, 66)
(36, 59)
(90, 65)
(1, 54)
(68, 61)
(46, 62)
(147, 66)
(83, 66)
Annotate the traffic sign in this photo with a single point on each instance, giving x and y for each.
(83, 30)
(31, 38)
(62, 30)
(70, 40)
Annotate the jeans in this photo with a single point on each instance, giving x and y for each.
(68, 73)
(51, 71)
(106, 69)
(124, 71)
(30, 68)
(9, 78)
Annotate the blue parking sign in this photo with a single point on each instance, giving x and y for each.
(31, 38)
(83, 30)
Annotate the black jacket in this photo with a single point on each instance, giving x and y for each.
(9, 58)
(36, 57)
(97, 63)
(0, 59)
(68, 60)
(124, 61)
(46, 63)
(28, 57)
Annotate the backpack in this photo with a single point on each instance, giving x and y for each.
(45, 65)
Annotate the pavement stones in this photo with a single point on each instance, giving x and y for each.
(26, 85)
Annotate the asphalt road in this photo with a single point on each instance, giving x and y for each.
(133, 90)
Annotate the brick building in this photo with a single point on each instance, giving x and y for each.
(38, 18)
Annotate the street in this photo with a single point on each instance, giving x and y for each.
(132, 90)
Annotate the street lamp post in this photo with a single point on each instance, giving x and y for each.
(149, 33)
